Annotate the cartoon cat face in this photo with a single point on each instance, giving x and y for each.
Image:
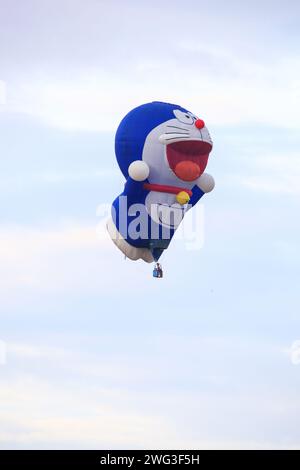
(180, 132)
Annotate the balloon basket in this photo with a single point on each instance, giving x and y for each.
(157, 271)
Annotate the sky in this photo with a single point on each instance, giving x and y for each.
(94, 352)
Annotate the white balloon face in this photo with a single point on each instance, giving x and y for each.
(162, 207)
(169, 132)
(164, 210)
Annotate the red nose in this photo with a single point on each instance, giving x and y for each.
(199, 123)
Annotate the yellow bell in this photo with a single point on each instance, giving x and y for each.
(182, 198)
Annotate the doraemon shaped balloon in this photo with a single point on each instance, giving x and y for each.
(162, 150)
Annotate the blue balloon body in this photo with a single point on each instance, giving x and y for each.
(161, 141)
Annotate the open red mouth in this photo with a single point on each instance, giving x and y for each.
(188, 159)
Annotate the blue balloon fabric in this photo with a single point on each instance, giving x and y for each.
(162, 150)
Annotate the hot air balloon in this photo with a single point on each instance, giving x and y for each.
(162, 150)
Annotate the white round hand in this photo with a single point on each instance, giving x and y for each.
(138, 170)
(206, 183)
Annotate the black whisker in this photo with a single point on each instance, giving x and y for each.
(178, 133)
(181, 128)
(172, 138)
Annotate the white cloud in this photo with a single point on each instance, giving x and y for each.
(294, 353)
(30, 240)
(31, 351)
(271, 185)
(97, 100)
(52, 415)
(277, 173)
(36, 258)
(28, 180)
(40, 414)
(63, 398)
(2, 352)
(2, 92)
(71, 257)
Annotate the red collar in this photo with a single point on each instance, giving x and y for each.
(163, 188)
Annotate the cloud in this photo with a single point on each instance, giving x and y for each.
(37, 258)
(30, 240)
(55, 397)
(271, 185)
(96, 100)
(95, 353)
(95, 77)
(49, 415)
(294, 353)
(32, 179)
(31, 351)
(90, 76)
(276, 173)
(70, 257)
(2, 92)
(2, 352)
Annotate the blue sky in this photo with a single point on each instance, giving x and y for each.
(95, 352)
